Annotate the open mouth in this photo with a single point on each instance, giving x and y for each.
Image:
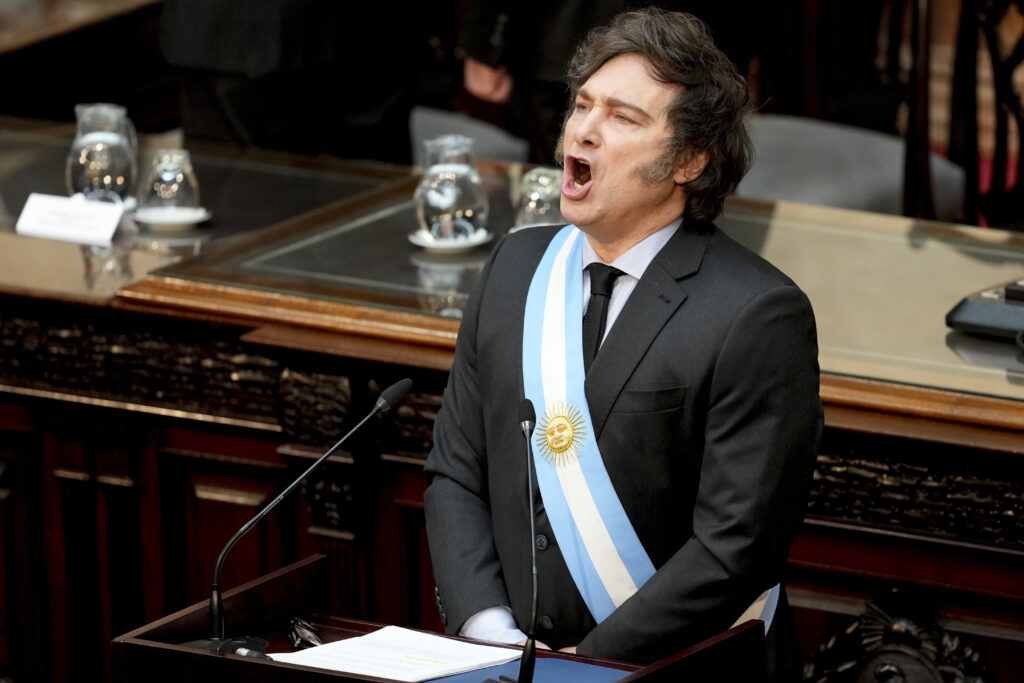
(580, 172)
(577, 179)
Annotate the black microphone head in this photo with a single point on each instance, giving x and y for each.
(526, 411)
(393, 395)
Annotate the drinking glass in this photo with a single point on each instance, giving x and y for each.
(539, 196)
(171, 183)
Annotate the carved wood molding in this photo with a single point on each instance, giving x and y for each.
(378, 334)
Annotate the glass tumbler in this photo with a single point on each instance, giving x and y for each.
(539, 197)
(171, 183)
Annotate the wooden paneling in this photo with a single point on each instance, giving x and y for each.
(110, 519)
(211, 484)
(94, 535)
(21, 550)
(346, 591)
(900, 558)
(403, 580)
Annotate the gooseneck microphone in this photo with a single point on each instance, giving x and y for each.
(217, 642)
(527, 420)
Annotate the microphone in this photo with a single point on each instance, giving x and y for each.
(255, 647)
(527, 420)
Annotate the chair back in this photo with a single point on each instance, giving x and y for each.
(489, 141)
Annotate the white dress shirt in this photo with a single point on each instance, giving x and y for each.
(633, 263)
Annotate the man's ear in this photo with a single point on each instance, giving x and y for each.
(690, 167)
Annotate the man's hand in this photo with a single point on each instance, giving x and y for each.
(485, 82)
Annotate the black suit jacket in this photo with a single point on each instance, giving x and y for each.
(704, 399)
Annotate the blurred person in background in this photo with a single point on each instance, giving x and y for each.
(516, 53)
(307, 76)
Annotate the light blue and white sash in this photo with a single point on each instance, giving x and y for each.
(763, 608)
(601, 549)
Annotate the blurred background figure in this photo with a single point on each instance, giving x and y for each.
(307, 76)
(516, 52)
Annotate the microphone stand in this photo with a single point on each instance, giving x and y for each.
(527, 420)
(529, 659)
(253, 647)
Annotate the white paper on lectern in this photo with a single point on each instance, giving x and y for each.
(400, 654)
(69, 219)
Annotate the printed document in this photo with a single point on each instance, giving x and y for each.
(400, 654)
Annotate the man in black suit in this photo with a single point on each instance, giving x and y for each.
(305, 76)
(673, 466)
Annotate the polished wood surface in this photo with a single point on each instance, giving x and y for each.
(47, 269)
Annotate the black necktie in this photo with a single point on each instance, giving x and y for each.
(602, 279)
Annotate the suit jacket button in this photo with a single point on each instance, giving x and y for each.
(542, 542)
(440, 607)
(546, 623)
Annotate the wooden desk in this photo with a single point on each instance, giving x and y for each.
(141, 430)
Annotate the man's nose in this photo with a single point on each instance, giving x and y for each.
(586, 131)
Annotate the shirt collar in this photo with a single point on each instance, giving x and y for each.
(636, 259)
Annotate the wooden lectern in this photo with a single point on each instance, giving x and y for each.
(263, 608)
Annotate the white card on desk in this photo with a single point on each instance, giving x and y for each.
(71, 219)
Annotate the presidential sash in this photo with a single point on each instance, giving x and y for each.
(601, 549)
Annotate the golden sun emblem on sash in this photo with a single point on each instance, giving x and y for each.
(561, 434)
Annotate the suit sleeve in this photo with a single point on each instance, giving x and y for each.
(458, 510)
(763, 424)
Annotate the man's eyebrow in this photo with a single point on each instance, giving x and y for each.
(616, 103)
(621, 104)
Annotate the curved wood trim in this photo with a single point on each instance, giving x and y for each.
(351, 346)
(921, 412)
(162, 294)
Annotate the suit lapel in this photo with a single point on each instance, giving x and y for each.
(656, 298)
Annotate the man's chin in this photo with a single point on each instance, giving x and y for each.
(573, 213)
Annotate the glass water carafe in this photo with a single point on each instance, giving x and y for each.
(102, 161)
(450, 200)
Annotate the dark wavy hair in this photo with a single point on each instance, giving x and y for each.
(707, 116)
